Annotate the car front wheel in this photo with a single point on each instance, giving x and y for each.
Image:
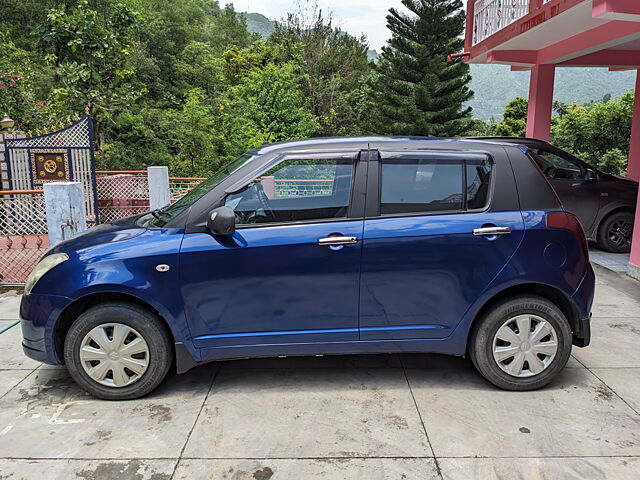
(521, 343)
(118, 351)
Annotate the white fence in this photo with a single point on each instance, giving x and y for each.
(490, 16)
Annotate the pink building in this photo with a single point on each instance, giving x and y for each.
(538, 35)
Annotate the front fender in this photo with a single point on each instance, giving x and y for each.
(126, 266)
(173, 315)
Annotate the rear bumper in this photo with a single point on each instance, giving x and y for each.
(583, 300)
(38, 316)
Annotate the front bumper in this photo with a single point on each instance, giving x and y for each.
(38, 317)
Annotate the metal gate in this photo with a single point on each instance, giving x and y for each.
(65, 155)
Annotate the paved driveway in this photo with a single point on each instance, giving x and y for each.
(361, 417)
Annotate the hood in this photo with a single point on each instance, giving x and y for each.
(100, 234)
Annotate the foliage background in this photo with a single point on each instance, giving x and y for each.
(192, 84)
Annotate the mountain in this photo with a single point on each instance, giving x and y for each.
(497, 85)
(258, 23)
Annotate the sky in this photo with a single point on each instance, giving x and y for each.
(353, 16)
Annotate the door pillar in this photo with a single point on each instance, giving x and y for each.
(540, 102)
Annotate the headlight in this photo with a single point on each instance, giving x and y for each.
(46, 264)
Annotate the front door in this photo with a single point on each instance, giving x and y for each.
(422, 265)
(290, 273)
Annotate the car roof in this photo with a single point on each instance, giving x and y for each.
(375, 143)
(514, 140)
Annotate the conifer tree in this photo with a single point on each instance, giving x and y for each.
(420, 92)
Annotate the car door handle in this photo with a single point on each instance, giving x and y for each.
(337, 241)
(487, 231)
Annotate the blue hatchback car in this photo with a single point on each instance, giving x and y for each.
(325, 246)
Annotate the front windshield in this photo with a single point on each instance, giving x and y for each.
(162, 216)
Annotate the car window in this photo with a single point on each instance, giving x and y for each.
(416, 185)
(428, 185)
(557, 167)
(478, 182)
(296, 190)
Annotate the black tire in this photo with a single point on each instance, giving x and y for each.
(148, 325)
(614, 233)
(484, 331)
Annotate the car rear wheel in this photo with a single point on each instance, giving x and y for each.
(521, 343)
(118, 351)
(615, 232)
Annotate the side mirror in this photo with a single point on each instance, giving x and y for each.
(589, 177)
(222, 221)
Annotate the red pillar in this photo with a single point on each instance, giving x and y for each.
(540, 102)
(633, 170)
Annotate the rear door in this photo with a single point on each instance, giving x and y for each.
(422, 265)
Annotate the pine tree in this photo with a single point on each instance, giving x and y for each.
(420, 92)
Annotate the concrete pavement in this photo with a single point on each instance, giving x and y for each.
(356, 417)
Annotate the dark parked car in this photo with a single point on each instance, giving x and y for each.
(325, 246)
(605, 204)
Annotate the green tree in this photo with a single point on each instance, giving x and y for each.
(191, 135)
(598, 133)
(266, 106)
(91, 50)
(173, 32)
(514, 122)
(422, 93)
(336, 68)
(198, 66)
(137, 139)
(18, 94)
(614, 161)
(480, 128)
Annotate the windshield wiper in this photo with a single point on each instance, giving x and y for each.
(157, 214)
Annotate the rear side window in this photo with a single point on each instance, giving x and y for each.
(478, 181)
(431, 185)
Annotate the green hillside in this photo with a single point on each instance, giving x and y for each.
(496, 85)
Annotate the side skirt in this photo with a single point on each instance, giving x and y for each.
(185, 361)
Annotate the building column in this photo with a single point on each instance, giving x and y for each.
(540, 102)
(634, 260)
(633, 170)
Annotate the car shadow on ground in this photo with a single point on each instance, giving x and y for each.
(54, 385)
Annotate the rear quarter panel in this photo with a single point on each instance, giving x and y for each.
(551, 257)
